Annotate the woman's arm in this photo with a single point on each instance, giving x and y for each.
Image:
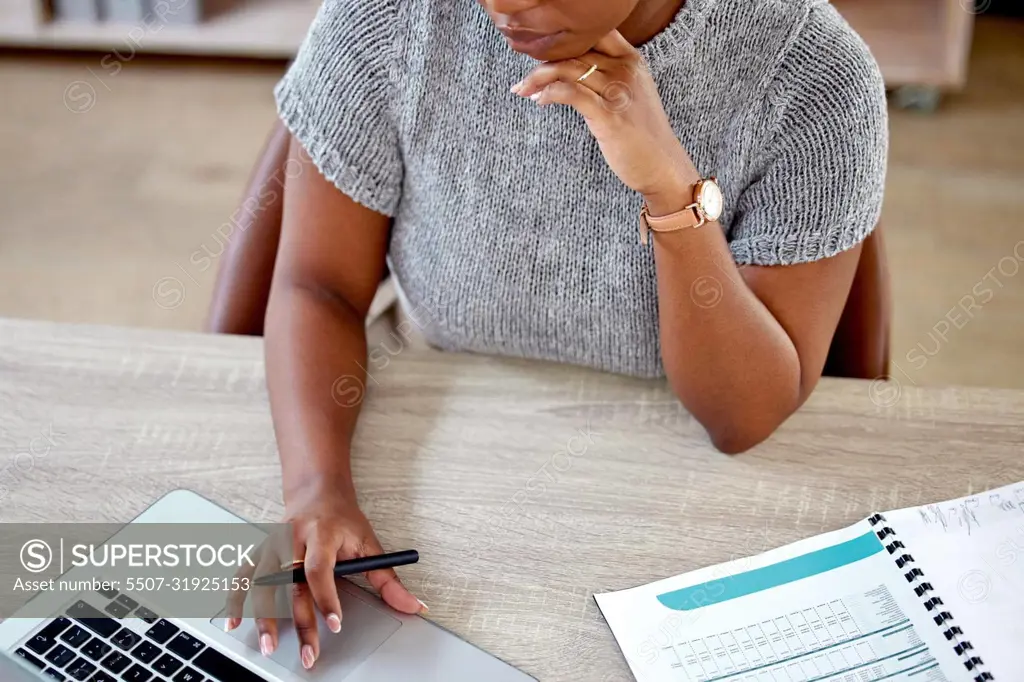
(243, 282)
(742, 347)
(343, 179)
(763, 333)
(329, 265)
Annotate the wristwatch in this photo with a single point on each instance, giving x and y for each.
(708, 204)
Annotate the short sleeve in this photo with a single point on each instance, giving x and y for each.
(337, 100)
(817, 190)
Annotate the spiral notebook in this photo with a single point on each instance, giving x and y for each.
(926, 594)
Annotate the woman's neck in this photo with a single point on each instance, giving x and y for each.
(650, 18)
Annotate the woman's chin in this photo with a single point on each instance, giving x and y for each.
(553, 48)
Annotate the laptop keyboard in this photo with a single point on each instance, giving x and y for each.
(90, 645)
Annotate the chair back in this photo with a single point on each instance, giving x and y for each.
(860, 347)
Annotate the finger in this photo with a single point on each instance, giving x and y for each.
(389, 586)
(614, 45)
(304, 612)
(321, 556)
(264, 599)
(569, 71)
(575, 95)
(234, 605)
(267, 629)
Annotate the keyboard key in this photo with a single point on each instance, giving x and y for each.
(188, 675)
(80, 669)
(101, 676)
(127, 602)
(40, 643)
(146, 652)
(161, 632)
(125, 639)
(75, 636)
(57, 626)
(44, 640)
(116, 662)
(96, 649)
(220, 668)
(167, 665)
(30, 658)
(117, 610)
(185, 646)
(50, 672)
(136, 674)
(146, 615)
(109, 594)
(60, 656)
(93, 619)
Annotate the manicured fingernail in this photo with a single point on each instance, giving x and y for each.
(308, 659)
(229, 625)
(266, 644)
(425, 607)
(535, 96)
(334, 623)
(517, 87)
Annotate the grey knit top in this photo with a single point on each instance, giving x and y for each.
(511, 234)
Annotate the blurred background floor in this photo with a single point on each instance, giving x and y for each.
(111, 182)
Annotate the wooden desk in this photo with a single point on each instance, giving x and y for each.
(465, 458)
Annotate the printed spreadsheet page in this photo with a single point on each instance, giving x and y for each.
(832, 608)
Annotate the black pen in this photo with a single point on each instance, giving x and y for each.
(343, 568)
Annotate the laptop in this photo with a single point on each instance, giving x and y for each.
(16, 670)
(110, 637)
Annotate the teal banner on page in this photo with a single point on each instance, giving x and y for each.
(759, 579)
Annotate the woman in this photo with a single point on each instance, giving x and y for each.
(518, 145)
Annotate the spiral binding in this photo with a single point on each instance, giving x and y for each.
(922, 588)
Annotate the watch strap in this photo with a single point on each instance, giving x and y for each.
(687, 218)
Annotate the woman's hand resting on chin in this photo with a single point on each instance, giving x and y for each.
(622, 108)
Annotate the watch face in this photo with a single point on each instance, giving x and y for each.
(711, 201)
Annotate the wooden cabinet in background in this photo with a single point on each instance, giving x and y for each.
(916, 42)
(922, 46)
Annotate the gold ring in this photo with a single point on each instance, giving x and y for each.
(292, 565)
(590, 72)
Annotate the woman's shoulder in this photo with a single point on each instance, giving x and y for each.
(827, 43)
(786, 51)
(414, 16)
(789, 37)
(823, 51)
(824, 130)
(379, 30)
(809, 61)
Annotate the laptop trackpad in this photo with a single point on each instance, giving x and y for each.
(364, 628)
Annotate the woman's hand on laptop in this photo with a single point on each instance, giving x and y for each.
(328, 526)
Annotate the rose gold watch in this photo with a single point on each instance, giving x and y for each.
(708, 204)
